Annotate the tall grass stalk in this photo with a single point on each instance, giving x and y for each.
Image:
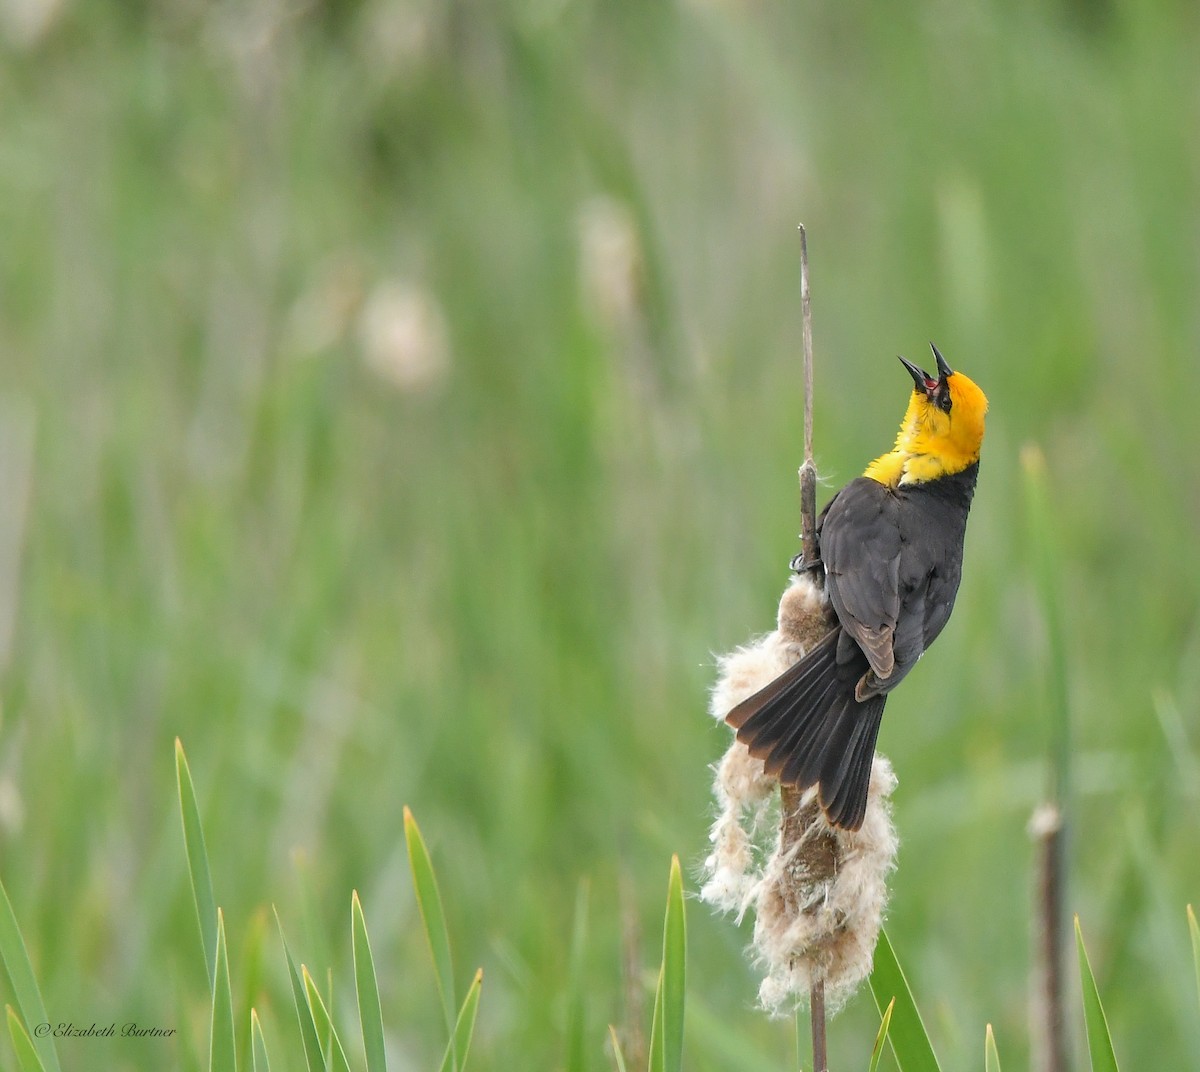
(1049, 823)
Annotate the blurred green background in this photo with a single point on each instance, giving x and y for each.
(401, 405)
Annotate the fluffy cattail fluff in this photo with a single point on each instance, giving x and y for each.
(818, 892)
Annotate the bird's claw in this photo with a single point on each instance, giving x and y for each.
(799, 564)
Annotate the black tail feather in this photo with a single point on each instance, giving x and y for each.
(850, 786)
(783, 730)
(768, 692)
(809, 735)
(793, 752)
(809, 730)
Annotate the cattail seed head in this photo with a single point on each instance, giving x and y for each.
(818, 892)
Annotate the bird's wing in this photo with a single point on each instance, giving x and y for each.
(860, 546)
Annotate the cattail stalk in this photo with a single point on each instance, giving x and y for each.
(808, 471)
(817, 891)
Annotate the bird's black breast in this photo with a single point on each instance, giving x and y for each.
(893, 560)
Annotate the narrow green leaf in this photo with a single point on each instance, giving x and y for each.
(577, 1048)
(658, 1056)
(674, 971)
(313, 1056)
(615, 1042)
(258, 1045)
(1100, 1046)
(1195, 932)
(434, 919)
(991, 1058)
(884, 1025)
(370, 1012)
(19, 967)
(324, 1023)
(464, 1026)
(197, 857)
(222, 1043)
(906, 1034)
(26, 1054)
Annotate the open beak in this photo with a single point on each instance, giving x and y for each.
(923, 381)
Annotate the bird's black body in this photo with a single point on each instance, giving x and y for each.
(891, 558)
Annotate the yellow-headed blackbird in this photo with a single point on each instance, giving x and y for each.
(890, 553)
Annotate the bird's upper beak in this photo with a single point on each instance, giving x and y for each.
(944, 370)
(923, 381)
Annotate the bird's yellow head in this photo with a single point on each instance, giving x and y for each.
(942, 429)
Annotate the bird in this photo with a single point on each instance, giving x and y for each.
(890, 552)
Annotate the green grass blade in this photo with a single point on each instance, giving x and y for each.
(906, 1034)
(615, 1042)
(23, 1044)
(222, 1040)
(15, 957)
(324, 1024)
(1195, 932)
(464, 1026)
(258, 1045)
(1100, 1047)
(881, 1038)
(313, 1056)
(674, 977)
(991, 1058)
(433, 918)
(197, 857)
(370, 1012)
(658, 1056)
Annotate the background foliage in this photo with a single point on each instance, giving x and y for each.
(400, 404)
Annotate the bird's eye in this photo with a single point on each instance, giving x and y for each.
(944, 402)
